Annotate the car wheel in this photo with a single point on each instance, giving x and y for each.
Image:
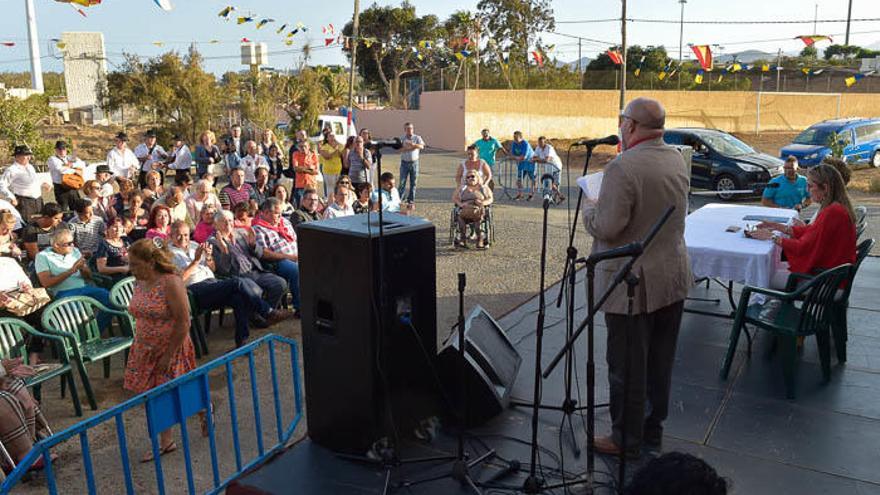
(875, 160)
(725, 182)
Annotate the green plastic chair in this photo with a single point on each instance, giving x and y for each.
(122, 292)
(805, 311)
(98, 278)
(75, 319)
(13, 345)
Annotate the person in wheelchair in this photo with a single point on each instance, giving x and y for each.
(472, 200)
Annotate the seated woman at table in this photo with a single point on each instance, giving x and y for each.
(825, 243)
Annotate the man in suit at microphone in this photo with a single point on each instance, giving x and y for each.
(641, 183)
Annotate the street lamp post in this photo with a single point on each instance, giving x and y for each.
(34, 45)
(355, 24)
(680, 41)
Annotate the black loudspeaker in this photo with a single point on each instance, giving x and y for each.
(492, 366)
(362, 381)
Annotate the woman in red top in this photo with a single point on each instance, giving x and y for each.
(825, 243)
(305, 162)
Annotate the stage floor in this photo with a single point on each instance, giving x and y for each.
(825, 441)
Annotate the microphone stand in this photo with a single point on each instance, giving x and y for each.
(623, 275)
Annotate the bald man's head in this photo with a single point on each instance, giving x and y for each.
(647, 112)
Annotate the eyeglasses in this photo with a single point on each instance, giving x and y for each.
(471, 176)
(623, 116)
(67, 244)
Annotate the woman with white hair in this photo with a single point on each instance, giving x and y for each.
(203, 194)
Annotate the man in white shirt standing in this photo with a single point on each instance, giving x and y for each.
(151, 156)
(251, 162)
(546, 155)
(180, 159)
(20, 185)
(409, 161)
(121, 160)
(61, 164)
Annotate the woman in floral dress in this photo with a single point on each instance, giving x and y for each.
(162, 349)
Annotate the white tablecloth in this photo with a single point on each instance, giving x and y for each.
(731, 256)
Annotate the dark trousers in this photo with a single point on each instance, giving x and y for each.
(233, 292)
(28, 207)
(273, 286)
(65, 196)
(649, 340)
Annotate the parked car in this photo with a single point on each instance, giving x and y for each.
(721, 162)
(860, 139)
(337, 123)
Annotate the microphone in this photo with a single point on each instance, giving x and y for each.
(631, 249)
(512, 467)
(611, 140)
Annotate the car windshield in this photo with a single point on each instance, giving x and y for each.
(814, 136)
(726, 144)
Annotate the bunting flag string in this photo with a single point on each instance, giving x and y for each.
(263, 22)
(851, 80)
(665, 72)
(226, 12)
(7, 43)
(698, 79)
(539, 58)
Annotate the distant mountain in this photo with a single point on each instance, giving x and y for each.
(585, 61)
(747, 56)
(874, 46)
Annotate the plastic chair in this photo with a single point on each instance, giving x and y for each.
(805, 311)
(75, 319)
(123, 291)
(99, 279)
(13, 345)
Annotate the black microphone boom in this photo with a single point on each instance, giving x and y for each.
(631, 249)
(611, 140)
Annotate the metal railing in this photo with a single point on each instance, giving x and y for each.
(171, 404)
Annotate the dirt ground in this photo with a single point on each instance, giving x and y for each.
(499, 279)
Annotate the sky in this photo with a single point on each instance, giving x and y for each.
(134, 25)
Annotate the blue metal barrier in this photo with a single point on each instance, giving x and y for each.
(171, 404)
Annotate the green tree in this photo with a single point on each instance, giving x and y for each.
(809, 52)
(847, 51)
(385, 53)
(514, 25)
(184, 98)
(20, 121)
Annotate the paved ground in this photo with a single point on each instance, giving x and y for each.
(500, 279)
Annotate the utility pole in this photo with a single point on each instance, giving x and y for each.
(815, 17)
(34, 45)
(477, 50)
(848, 18)
(579, 56)
(355, 35)
(623, 55)
(778, 68)
(680, 41)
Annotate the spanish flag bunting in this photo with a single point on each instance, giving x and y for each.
(639, 67)
(765, 68)
(539, 58)
(813, 39)
(615, 57)
(704, 55)
(698, 79)
(328, 29)
(329, 41)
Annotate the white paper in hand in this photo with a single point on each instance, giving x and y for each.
(591, 185)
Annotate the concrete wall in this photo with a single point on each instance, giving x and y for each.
(85, 66)
(440, 120)
(451, 120)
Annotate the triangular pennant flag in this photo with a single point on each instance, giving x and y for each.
(7, 43)
(765, 68)
(329, 41)
(459, 56)
(698, 79)
(539, 58)
(158, 43)
(263, 22)
(615, 57)
(704, 55)
(736, 67)
(638, 70)
(812, 39)
(225, 12)
(806, 71)
(243, 19)
(245, 40)
(466, 53)
(817, 72)
(281, 29)
(214, 42)
(288, 42)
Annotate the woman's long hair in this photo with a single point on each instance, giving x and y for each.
(828, 177)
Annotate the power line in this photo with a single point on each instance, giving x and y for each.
(678, 21)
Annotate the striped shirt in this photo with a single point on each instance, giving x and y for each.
(87, 235)
(230, 196)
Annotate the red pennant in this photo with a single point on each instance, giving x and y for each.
(615, 57)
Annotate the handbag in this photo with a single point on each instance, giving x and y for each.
(471, 212)
(23, 303)
(73, 181)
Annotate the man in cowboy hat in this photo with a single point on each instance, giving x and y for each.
(180, 159)
(20, 185)
(121, 160)
(61, 164)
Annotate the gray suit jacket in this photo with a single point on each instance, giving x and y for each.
(637, 188)
(224, 263)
